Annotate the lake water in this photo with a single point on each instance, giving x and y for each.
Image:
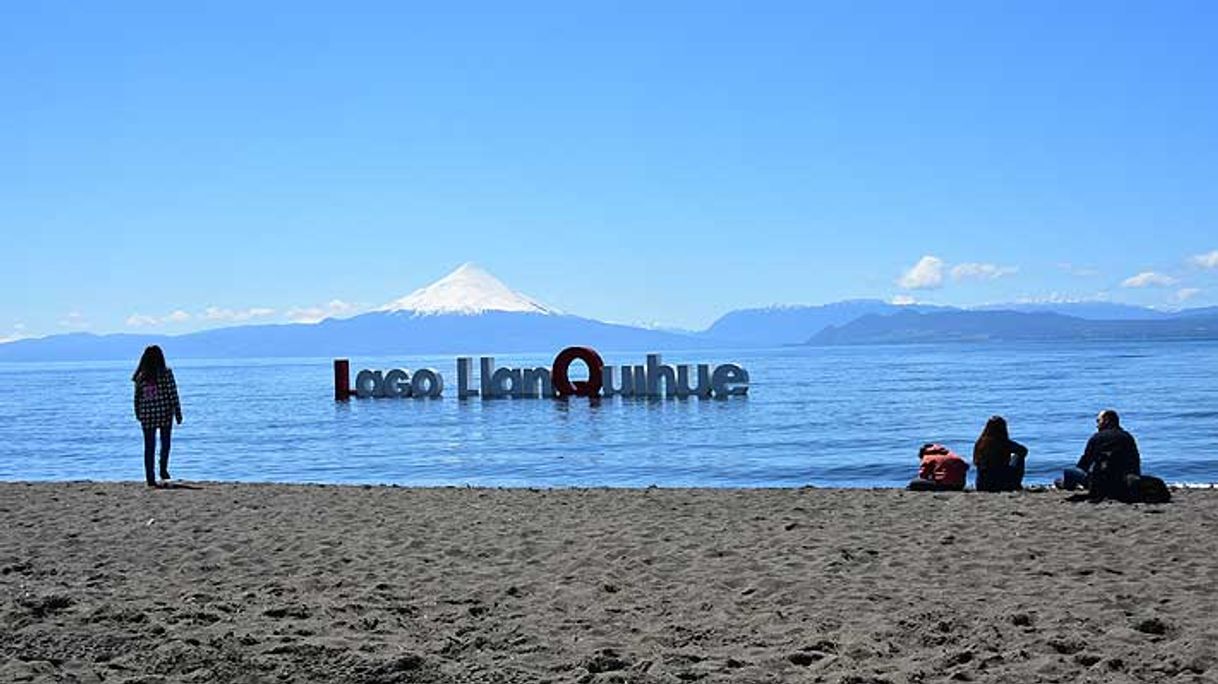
(821, 416)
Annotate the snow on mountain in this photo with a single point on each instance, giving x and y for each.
(467, 291)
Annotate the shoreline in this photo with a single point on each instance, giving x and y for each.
(320, 582)
(1034, 488)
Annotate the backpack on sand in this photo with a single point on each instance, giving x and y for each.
(1150, 489)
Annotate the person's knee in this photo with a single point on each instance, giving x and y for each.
(1074, 478)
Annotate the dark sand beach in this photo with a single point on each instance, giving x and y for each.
(279, 583)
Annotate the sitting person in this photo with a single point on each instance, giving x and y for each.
(1110, 465)
(999, 459)
(940, 470)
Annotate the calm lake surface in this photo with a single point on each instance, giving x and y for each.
(822, 416)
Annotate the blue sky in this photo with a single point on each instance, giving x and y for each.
(171, 167)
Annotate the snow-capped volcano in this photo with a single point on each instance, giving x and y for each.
(468, 291)
(468, 311)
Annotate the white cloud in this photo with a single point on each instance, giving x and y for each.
(902, 300)
(138, 320)
(1060, 298)
(1149, 279)
(74, 319)
(1208, 260)
(18, 334)
(213, 313)
(1080, 271)
(977, 271)
(1186, 293)
(927, 274)
(314, 314)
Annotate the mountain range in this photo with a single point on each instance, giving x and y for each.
(784, 325)
(877, 322)
(1009, 326)
(469, 311)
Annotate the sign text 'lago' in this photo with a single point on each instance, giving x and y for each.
(652, 379)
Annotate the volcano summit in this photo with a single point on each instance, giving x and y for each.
(468, 311)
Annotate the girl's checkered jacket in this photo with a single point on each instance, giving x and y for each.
(156, 401)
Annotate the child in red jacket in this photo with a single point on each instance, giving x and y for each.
(941, 470)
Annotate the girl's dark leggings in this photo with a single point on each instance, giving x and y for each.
(150, 450)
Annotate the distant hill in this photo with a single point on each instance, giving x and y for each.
(467, 312)
(980, 326)
(784, 325)
(374, 334)
(1199, 312)
(779, 325)
(1094, 311)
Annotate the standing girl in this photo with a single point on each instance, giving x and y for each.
(156, 407)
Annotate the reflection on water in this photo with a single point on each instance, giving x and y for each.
(823, 416)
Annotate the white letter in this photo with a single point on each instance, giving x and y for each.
(726, 376)
(657, 372)
(638, 386)
(607, 388)
(537, 383)
(427, 383)
(497, 382)
(488, 369)
(368, 384)
(397, 383)
(465, 367)
(703, 389)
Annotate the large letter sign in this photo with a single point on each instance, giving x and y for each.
(653, 380)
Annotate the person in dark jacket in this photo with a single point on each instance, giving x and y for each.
(999, 459)
(156, 407)
(1109, 460)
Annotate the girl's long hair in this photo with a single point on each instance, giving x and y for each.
(152, 365)
(994, 438)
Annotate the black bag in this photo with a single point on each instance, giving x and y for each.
(1150, 489)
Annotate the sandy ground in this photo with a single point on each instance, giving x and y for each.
(253, 583)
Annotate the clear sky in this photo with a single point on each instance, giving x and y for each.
(169, 166)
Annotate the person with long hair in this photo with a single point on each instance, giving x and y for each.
(999, 459)
(156, 407)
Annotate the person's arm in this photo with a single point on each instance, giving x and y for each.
(1017, 448)
(177, 404)
(926, 470)
(1088, 457)
(1135, 457)
(135, 401)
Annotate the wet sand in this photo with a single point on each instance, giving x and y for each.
(283, 583)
